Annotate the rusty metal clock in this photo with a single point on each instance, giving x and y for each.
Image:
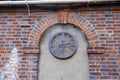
(63, 45)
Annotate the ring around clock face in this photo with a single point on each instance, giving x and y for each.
(63, 45)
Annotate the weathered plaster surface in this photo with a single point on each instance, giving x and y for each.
(75, 68)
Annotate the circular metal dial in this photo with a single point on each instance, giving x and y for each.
(63, 45)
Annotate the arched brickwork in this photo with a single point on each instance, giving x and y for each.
(65, 17)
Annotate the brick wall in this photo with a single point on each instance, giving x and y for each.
(101, 26)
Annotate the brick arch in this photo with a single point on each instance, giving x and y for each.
(87, 27)
(66, 17)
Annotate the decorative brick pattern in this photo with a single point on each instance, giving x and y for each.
(69, 18)
(100, 27)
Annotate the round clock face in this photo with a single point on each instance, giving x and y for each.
(63, 45)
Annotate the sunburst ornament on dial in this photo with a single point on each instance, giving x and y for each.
(63, 45)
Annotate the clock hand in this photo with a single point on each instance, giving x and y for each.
(62, 37)
(67, 43)
(57, 46)
(63, 46)
(63, 49)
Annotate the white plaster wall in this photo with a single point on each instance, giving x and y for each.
(74, 68)
(11, 68)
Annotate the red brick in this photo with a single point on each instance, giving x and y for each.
(5, 55)
(23, 76)
(100, 53)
